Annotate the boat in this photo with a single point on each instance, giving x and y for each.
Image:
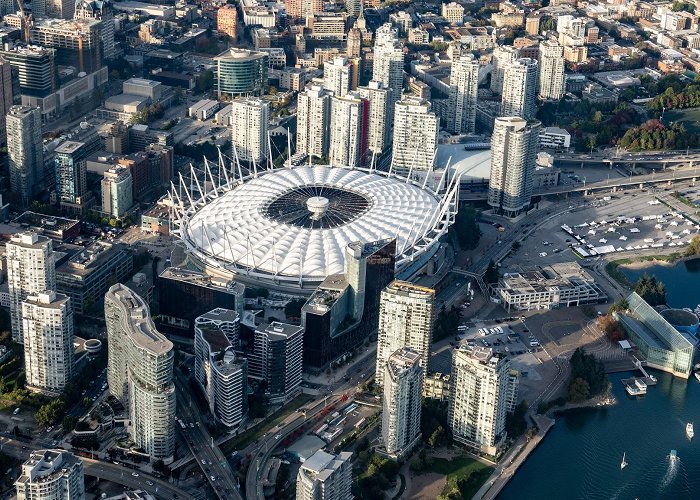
(623, 464)
(673, 456)
(697, 376)
(689, 431)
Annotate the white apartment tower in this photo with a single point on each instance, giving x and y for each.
(406, 319)
(513, 155)
(520, 89)
(551, 80)
(503, 56)
(278, 358)
(387, 66)
(401, 405)
(479, 400)
(337, 76)
(249, 118)
(25, 150)
(464, 83)
(220, 372)
(313, 121)
(51, 475)
(348, 134)
(325, 477)
(378, 97)
(140, 371)
(415, 135)
(47, 327)
(31, 269)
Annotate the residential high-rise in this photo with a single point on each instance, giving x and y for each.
(140, 372)
(301, 9)
(401, 405)
(453, 12)
(249, 118)
(551, 80)
(353, 49)
(513, 155)
(278, 358)
(348, 134)
(464, 83)
(482, 388)
(51, 475)
(47, 327)
(313, 121)
(71, 171)
(31, 269)
(354, 7)
(406, 319)
(77, 42)
(60, 9)
(101, 10)
(6, 95)
(387, 66)
(415, 135)
(337, 76)
(241, 72)
(520, 89)
(325, 477)
(378, 97)
(25, 150)
(221, 373)
(227, 21)
(503, 56)
(117, 191)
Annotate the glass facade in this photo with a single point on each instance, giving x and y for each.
(241, 73)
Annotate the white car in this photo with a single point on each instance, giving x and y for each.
(135, 474)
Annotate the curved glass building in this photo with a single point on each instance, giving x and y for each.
(241, 72)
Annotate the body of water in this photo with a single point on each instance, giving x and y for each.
(681, 281)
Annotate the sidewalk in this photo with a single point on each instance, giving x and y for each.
(340, 372)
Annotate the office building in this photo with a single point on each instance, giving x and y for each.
(551, 62)
(406, 319)
(337, 76)
(325, 477)
(301, 9)
(219, 371)
(387, 65)
(378, 98)
(401, 405)
(503, 56)
(117, 191)
(482, 389)
(513, 155)
(249, 118)
(313, 121)
(453, 13)
(31, 269)
(520, 89)
(140, 372)
(47, 327)
(25, 151)
(415, 135)
(103, 11)
(227, 21)
(464, 83)
(277, 359)
(241, 72)
(71, 171)
(6, 95)
(51, 475)
(348, 132)
(36, 69)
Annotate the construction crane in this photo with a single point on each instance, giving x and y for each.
(26, 22)
(79, 32)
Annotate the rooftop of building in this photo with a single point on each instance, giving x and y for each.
(679, 317)
(563, 275)
(279, 330)
(49, 223)
(29, 239)
(240, 55)
(402, 360)
(46, 465)
(142, 81)
(48, 299)
(407, 289)
(203, 279)
(29, 50)
(483, 355)
(322, 461)
(66, 24)
(89, 259)
(125, 99)
(68, 147)
(219, 315)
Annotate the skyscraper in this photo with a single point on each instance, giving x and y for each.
(406, 318)
(51, 475)
(513, 155)
(387, 66)
(301, 9)
(520, 89)
(140, 372)
(101, 10)
(325, 477)
(480, 398)
(353, 48)
(61, 9)
(278, 358)
(47, 326)
(241, 72)
(249, 132)
(337, 75)
(378, 97)
(117, 191)
(354, 7)
(551, 86)
(503, 56)
(36, 69)
(464, 83)
(401, 405)
(6, 95)
(31, 269)
(415, 135)
(25, 150)
(227, 20)
(220, 372)
(71, 171)
(348, 134)
(313, 121)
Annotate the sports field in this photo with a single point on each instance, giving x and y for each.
(689, 117)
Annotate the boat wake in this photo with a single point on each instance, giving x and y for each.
(670, 475)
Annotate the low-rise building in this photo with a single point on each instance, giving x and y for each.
(555, 138)
(437, 386)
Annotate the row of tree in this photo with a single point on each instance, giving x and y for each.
(587, 376)
(653, 135)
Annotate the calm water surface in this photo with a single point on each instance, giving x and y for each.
(682, 281)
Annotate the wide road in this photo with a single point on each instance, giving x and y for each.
(106, 470)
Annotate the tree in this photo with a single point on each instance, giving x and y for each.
(437, 438)
(651, 290)
(467, 228)
(579, 390)
(492, 275)
(69, 423)
(293, 308)
(49, 413)
(205, 81)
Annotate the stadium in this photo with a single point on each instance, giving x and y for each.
(288, 227)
